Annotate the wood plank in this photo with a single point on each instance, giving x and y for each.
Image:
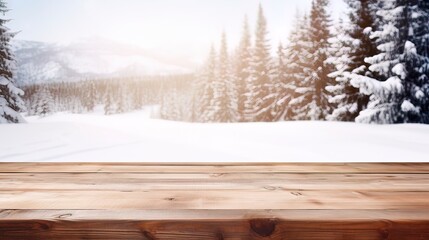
(206, 224)
(334, 168)
(198, 182)
(216, 230)
(213, 199)
(196, 224)
(206, 214)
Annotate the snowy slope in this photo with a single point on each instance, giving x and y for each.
(43, 62)
(135, 137)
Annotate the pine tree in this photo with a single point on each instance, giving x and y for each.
(300, 73)
(90, 98)
(259, 84)
(203, 90)
(31, 104)
(242, 70)
(10, 96)
(108, 101)
(282, 91)
(400, 93)
(311, 68)
(343, 94)
(137, 94)
(120, 101)
(44, 104)
(421, 31)
(421, 39)
(224, 96)
(319, 36)
(362, 16)
(170, 106)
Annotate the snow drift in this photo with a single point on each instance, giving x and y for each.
(134, 137)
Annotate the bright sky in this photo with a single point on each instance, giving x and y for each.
(182, 28)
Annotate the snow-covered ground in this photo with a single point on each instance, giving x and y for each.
(135, 137)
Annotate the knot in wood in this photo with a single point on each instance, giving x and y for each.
(65, 215)
(263, 227)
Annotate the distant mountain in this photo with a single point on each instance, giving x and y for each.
(39, 62)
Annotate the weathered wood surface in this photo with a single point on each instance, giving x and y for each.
(214, 201)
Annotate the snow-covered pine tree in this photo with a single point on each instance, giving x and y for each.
(400, 93)
(123, 98)
(186, 105)
(242, 69)
(258, 106)
(421, 39)
(90, 97)
(421, 32)
(10, 95)
(282, 90)
(203, 89)
(33, 101)
(164, 108)
(108, 100)
(170, 106)
(343, 94)
(319, 35)
(299, 73)
(363, 18)
(44, 102)
(358, 45)
(120, 101)
(224, 102)
(30, 104)
(137, 97)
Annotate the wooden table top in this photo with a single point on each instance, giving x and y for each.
(214, 201)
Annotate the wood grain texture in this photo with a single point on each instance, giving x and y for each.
(215, 229)
(214, 201)
(335, 168)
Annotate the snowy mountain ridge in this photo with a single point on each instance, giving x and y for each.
(39, 62)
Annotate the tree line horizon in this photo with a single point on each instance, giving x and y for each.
(370, 67)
